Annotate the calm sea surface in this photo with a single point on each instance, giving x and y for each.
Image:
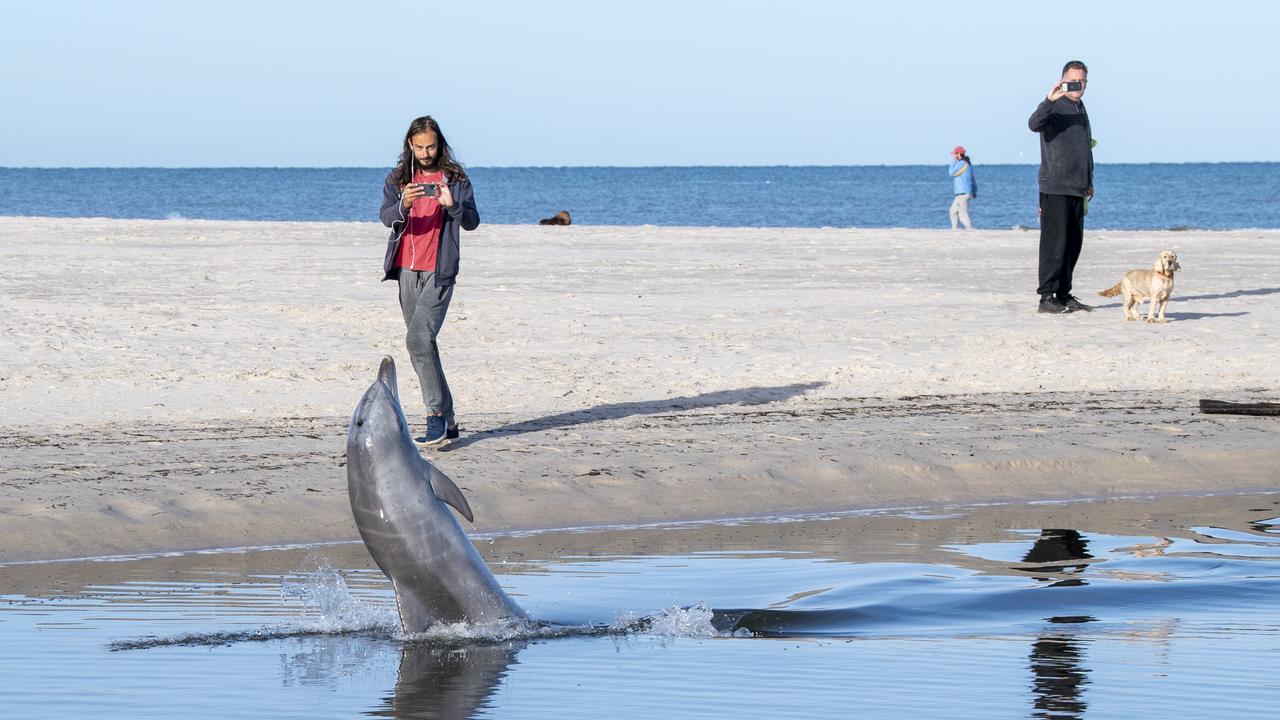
(1149, 608)
(1215, 196)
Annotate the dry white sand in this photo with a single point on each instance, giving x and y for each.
(184, 384)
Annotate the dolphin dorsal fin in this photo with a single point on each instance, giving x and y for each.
(448, 493)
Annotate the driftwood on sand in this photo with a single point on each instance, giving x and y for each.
(1222, 407)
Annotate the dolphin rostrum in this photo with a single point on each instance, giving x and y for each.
(398, 499)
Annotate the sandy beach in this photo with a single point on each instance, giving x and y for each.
(187, 384)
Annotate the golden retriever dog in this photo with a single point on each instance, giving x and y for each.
(1139, 285)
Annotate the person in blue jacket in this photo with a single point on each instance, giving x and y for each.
(964, 186)
(426, 199)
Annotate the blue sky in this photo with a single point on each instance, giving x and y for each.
(261, 83)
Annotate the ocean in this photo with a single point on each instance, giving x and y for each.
(1210, 196)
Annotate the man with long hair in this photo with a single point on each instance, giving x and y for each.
(426, 198)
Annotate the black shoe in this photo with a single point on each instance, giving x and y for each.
(451, 433)
(1049, 304)
(1073, 304)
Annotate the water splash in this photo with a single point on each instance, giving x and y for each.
(331, 608)
(327, 608)
(695, 621)
(692, 622)
(497, 632)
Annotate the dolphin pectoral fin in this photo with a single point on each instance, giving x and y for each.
(449, 494)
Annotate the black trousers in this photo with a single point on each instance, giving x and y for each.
(1061, 238)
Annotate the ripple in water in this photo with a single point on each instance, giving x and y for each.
(330, 608)
(1164, 608)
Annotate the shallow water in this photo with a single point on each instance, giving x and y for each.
(1137, 608)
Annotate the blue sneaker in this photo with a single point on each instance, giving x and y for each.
(437, 433)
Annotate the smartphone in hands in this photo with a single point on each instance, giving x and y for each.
(429, 189)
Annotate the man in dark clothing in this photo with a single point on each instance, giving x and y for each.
(1066, 185)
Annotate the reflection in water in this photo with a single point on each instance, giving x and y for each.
(1269, 526)
(448, 682)
(1059, 676)
(1051, 551)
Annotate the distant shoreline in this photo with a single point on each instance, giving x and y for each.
(384, 168)
(976, 231)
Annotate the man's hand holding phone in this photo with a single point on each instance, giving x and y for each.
(413, 191)
(1062, 87)
(445, 196)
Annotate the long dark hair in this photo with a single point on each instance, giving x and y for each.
(403, 172)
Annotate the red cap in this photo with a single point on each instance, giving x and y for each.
(959, 149)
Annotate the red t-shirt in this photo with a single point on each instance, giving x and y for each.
(421, 239)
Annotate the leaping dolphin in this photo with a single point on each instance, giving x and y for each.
(398, 499)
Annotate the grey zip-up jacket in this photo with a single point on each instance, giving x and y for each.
(1066, 147)
(462, 213)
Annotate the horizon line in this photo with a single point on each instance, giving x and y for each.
(591, 167)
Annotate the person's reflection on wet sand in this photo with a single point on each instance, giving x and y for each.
(1058, 676)
(447, 682)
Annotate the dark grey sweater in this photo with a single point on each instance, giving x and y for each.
(1066, 151)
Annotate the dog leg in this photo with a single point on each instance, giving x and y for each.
(1130, 307)
(1160, 315)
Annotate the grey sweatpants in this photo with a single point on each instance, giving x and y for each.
(424, 306)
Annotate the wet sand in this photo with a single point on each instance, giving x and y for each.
(924, 535)
(187, 384)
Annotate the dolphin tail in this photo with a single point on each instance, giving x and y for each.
(448, 493)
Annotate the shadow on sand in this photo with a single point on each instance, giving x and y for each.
(1199, 316)
(613, 411)
(1215, 296)
(1179, 316)
(1233, 294)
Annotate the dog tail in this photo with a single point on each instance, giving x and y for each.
(1112, 291)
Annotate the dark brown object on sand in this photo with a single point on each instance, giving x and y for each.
(1222, 407)
(560, 218)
